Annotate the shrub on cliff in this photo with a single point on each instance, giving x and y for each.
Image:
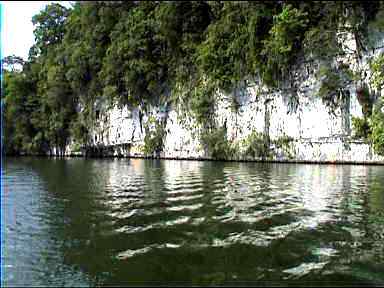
(256, 145)
(284, 40)
(333, 80)
(202, 103)
(377, 127)
(365, 100)
(377, 66)
(217, 144)
(361, 128)
(154, 139)
(79, 131)
(377, 118)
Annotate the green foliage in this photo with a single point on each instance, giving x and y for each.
(375, 23)
(11, 63)
(232, 49)
(140, 53)
(182, 26)
(377, 67)
(284, 39)
(40, 95)
(135, 62)
(332, 82)
(79, 130)
(85, 43)
(320, 40)
(202, 102)
(320, 43)
(361, 128)
(365, 100)
(49, 29)
(256, 145)
(377, 128)
(154, 139)
(217, 144)
(76, 147)
(222, 55)
(285, 144)
(24, 129)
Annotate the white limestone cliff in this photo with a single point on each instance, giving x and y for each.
(318, 135)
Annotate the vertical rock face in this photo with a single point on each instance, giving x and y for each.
(295, 112)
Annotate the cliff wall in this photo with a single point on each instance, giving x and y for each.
(312, 131)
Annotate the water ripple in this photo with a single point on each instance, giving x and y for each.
(111, 221)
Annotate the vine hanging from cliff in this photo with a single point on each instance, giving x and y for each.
(154, 138)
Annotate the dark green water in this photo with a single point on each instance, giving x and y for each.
(79, 222)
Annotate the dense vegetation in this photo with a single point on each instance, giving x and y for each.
(140, 53)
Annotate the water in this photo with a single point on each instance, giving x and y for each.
(79, 222)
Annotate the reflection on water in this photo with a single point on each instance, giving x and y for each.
(148, 222)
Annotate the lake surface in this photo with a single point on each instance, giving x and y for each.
(86, 222)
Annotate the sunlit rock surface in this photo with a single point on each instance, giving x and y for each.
(294, 111)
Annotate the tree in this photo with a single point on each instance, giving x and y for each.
(12, 63)
(284, 39)
(140, 53)
(49, 28)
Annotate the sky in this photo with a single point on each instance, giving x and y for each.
(17, 28)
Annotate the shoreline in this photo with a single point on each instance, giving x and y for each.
(270, 161)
